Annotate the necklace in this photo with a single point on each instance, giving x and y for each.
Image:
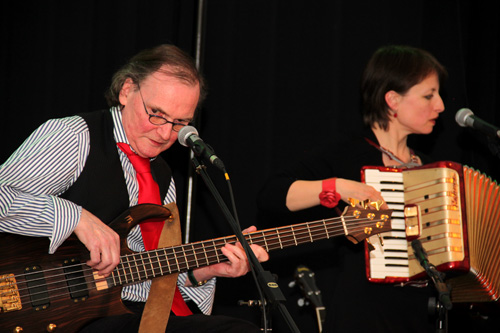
(414, 162)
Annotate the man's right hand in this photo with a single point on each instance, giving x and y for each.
(102, 242)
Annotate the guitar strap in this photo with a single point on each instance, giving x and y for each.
(157, 310)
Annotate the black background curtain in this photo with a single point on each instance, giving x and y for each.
(283, 76)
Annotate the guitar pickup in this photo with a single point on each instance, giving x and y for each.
(37, 287)
(75, 279)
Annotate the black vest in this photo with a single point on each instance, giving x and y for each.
(101, 187)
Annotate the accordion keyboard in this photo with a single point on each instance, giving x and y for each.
(388, 262)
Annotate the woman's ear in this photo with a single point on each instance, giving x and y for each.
(392, 99)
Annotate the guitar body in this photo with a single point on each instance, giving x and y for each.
(53, 297)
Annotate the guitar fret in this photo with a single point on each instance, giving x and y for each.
(293, 234)
(155, 264)
(144, 267)
(265, 240)
(119, 275)
(326, 229)
(160, 265)
(194, 255)
(168, 261)
(279, 238)
(185, 258)
(150, 264)
(176, 261)
(309, 231)
(128, 268)
(215, 249)
(113, 277)
(205, 252)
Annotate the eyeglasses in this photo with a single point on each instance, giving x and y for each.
(159, 120)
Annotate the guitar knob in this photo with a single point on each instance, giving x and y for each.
(51, 327)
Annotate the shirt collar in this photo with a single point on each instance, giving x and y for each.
(118, 130)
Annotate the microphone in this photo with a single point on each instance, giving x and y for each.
(434, 274)
(420, 253)
(465, 118)
(188, 137)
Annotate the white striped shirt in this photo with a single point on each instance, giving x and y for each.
(44, 167)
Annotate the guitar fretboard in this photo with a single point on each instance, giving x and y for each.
(150, 264)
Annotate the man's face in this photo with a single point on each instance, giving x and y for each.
(164, 96)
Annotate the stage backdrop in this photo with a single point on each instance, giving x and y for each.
(283, 77)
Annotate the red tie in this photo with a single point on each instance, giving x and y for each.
(149, 192)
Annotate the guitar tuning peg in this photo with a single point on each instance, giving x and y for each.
(365, 203)
(370, 245)
(376, 204)
(301, 302)
(380, 239)
(353, 202)
(291, 284)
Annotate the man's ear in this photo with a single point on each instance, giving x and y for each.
(127, 88)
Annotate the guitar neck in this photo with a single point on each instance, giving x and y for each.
(150, 264)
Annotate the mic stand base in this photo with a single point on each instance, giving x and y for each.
(436, 308)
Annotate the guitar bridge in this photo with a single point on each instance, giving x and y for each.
(9, 294)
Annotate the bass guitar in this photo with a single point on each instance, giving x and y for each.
(42, 292)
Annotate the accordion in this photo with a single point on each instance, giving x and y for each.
(458, 226)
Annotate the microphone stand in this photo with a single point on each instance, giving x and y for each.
(264, 279)
(443, 304)
(494, 146)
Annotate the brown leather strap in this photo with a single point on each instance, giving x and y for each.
(157, 310)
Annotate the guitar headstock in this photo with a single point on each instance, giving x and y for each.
(361, 223)
(307, 283)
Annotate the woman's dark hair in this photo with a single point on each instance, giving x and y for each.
(398, 68)
(167, 59)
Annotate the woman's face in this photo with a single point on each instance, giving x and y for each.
(418, 109)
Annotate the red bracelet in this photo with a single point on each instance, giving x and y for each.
(329, 196)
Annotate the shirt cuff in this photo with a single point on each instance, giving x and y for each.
(202, 296)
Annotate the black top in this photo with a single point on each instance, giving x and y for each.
(353, 304)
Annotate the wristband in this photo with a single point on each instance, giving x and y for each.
(329, 196)
(193, 280)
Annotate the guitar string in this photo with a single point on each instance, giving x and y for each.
(182, 246)
(187, 264)
(174, 247)
(299, 235)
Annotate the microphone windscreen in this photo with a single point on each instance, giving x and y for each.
(462, 115)
(184, 133)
